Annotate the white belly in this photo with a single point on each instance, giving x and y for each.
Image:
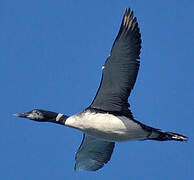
(107, 126)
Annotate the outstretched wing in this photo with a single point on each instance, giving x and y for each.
(121, 68)
(93, 153)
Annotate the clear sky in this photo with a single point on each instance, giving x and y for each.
(51, 53)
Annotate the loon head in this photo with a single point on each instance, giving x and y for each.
(39, 115)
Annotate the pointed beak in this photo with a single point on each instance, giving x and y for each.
(22, 115)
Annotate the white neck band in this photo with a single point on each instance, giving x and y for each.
(59, 116)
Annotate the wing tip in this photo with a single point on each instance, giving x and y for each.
(89, 167)
(129, 21)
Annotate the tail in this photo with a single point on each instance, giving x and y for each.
(161, 135)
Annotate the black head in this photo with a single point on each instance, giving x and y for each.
(39, 115)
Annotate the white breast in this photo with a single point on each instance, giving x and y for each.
(107, 126)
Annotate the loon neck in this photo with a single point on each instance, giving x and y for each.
(60, 119)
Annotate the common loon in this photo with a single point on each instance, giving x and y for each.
(108, 119)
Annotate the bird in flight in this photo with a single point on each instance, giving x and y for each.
(108, 119)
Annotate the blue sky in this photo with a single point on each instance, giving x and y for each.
(51, 58)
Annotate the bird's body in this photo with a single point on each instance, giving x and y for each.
(107, 126)
(108, 118)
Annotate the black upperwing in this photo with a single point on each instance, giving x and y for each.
(121, 68)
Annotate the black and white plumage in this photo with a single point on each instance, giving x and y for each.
(108, 118)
